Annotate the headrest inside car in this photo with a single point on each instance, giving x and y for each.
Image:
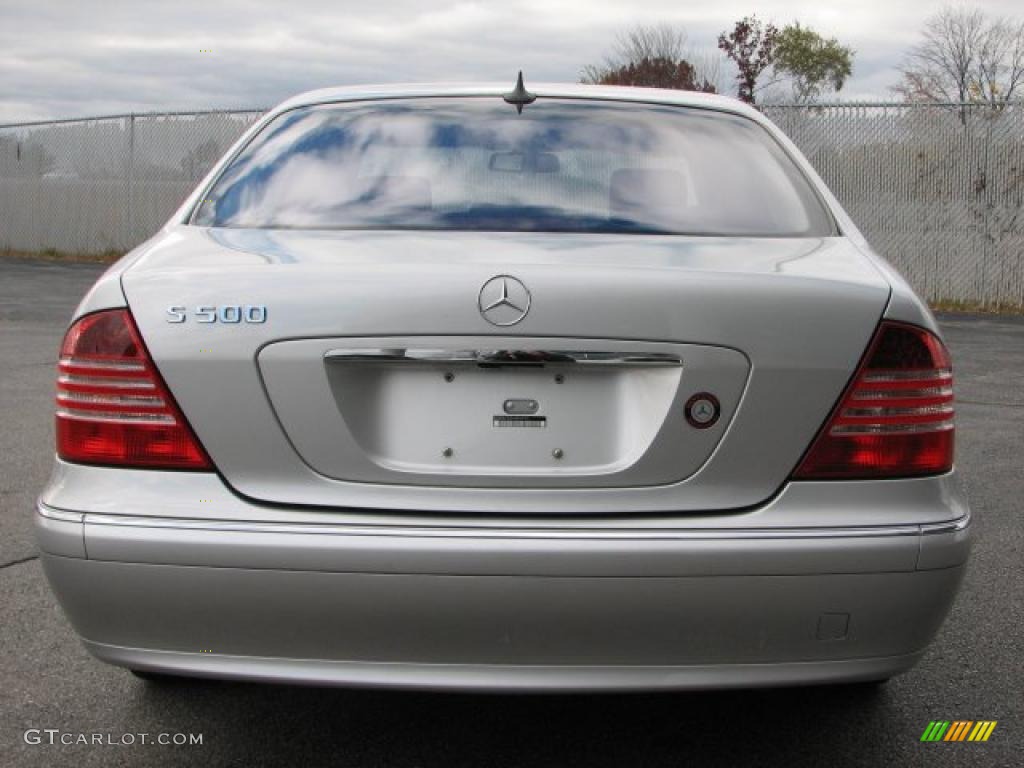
(395, 191)
(648, 196)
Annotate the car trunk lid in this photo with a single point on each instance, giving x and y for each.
(375, 380)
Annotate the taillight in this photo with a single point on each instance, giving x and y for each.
(112, 406)
(896, 417)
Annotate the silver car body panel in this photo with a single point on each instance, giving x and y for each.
(313, 555)
(483, 603)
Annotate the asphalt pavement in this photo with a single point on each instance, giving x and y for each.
(973, 671)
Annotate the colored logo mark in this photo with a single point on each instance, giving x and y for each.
(958, 730)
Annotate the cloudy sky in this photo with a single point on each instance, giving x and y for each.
(69, 58)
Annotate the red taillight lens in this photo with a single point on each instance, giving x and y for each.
(896, 417)
(112, 406)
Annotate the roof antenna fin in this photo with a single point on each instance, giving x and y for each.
(519, 95)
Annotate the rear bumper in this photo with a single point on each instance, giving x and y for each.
(566, 678)
(503, 608)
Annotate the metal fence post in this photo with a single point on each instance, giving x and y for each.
(129, 235)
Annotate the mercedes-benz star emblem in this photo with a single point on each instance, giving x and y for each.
(504, 300)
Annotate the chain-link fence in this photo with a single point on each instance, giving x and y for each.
(937, 189)
(106, 183)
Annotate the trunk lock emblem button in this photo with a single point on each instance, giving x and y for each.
(703, 410)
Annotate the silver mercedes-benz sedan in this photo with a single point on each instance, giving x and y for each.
(567, 388)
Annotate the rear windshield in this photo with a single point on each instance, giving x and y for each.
(475, 164)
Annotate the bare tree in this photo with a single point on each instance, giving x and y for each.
(965, 56)
(709, 66)
(999, 68)
(656, 41)
(642, 44)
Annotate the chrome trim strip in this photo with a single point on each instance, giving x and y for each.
(691, 534)
(882, 410)
(103, 381)
(501, 357)
(952, 526)
(893, 429)
(59, 514)
(101, 365)
(924, 375)
(111, 417)
(89, 397)
(921, 393)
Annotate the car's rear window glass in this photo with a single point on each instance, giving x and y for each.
(475, 164)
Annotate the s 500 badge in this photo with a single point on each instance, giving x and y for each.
(226, 313)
